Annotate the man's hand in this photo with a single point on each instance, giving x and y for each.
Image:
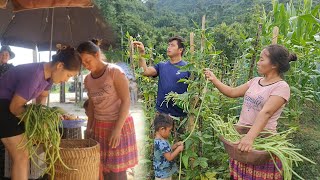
(139, 46)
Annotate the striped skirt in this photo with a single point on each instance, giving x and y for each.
(268, 171)
(124, 156)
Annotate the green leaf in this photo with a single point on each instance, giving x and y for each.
(211, 175)
(207, 136)
(315, 10)
(204, 164)
(185, 160)
(188, 143)
(201, 162)
(310, 19)
(295, 90)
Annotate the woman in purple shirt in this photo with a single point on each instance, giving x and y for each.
(22, 84)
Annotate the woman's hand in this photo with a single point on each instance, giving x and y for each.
(114, 140)
(245, 144)
(209, 74)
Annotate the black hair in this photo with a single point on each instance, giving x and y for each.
(89, 47)
(280, 57)
(162, 120)
(70, 58)
(180, 42)
(86, 104)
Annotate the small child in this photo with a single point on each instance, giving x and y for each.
(163, 163)
(86, 106)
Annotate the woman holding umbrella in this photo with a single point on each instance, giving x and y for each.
(109, 121)
(5, 55)
(21, 84)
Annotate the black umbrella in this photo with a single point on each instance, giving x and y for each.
(71, 25)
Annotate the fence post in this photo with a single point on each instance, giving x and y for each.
(203, 33)
(275, 35)
(131, 51)
(192, 43)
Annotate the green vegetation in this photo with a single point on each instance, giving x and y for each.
(230, 45)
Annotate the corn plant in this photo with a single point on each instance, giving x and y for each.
(299, 31)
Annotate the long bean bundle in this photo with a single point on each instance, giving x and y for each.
(42, 125)
(276, 143)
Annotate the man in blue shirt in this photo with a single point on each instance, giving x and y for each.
(169, 75)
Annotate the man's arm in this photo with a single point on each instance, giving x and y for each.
(147, 71)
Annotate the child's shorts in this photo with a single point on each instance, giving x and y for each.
(9, 123)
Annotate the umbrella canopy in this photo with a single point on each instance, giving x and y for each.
(71, 25)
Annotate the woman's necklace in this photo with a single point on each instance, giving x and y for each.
(99, 73)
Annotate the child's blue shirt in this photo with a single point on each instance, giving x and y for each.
(162, 167)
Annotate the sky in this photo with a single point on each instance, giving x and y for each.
(24, 56)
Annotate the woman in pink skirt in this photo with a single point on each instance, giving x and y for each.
(264, 100)
(109, 121)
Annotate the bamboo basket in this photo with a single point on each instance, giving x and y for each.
(255, 157)
(81, 155)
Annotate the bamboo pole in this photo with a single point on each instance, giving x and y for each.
(275, 35)
(203, 33)
(63, 92)
(131, 52)
(191, 118)
(202, 50)
(192, 43)
(254, 56)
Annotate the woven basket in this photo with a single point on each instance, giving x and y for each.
(83, 155)
(254, 157)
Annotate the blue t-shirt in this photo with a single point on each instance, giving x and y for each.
(169, 75)
(162, 167)
(26, 80)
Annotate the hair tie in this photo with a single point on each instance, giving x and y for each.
(62, 47)
(97, 42)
